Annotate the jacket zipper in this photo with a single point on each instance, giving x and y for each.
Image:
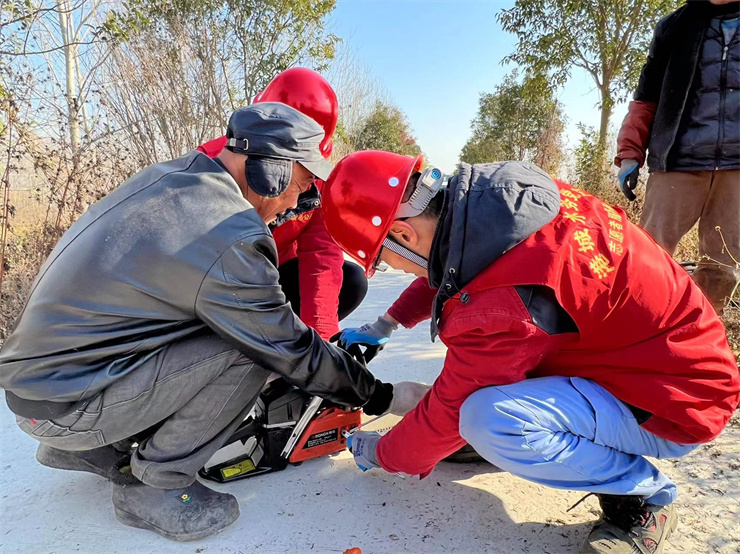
(722, 85)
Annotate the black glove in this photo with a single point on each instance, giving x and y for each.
(380, 400)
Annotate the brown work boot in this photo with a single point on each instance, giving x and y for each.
(629, 526)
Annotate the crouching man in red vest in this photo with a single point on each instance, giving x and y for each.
(576, 345)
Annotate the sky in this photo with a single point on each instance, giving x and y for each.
(435, 57)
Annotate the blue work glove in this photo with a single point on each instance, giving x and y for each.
(363, 445)
(629, 171)
(365, 342)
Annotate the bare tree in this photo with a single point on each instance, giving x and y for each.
(175, 84)
(358, 91)
(58, 43)
(167, 98)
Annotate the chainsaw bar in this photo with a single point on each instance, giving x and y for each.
(376, 425)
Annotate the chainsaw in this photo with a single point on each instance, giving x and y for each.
(286, 426)
(289, 426)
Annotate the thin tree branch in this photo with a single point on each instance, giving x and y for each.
(40, 52)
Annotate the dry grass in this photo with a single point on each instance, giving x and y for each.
(732, 323)
(30, 209)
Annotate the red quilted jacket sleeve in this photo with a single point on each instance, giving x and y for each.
(490, 341)
(415, 303)
(320, 263)
(634, 135)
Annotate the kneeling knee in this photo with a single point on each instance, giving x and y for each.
(481, 418)
(354, 279)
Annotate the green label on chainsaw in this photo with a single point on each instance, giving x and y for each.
(322, 438)
(245, 466)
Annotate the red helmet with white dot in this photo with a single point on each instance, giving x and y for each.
(360, 200)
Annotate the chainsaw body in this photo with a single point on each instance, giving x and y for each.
(287, 425)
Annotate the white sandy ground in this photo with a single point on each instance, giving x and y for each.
(328, 505)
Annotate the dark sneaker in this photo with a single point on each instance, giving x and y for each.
(105, 461)
(629, 526)
(181, 515)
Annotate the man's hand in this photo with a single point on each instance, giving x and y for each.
(406, 395)
(363, 445)
(371, 336)
(628, 174)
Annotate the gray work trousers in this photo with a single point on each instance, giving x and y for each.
(197, 391)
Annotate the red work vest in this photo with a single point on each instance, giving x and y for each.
(646, 332)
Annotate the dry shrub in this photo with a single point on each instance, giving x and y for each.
(24, 254)
(41, 216)
(732, 323)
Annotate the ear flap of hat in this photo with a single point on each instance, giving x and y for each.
(268, 176)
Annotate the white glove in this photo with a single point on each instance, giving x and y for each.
(406, 395)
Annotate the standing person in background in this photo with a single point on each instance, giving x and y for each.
(320, 285)
(686, 114)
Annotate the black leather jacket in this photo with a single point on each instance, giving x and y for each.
(173, 251)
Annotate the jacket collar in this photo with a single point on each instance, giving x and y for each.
(488, 210)
(307, 202)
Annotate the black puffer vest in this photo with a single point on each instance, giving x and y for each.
(708, 137)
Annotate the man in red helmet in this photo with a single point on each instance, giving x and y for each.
(319, 284)
(576, 345)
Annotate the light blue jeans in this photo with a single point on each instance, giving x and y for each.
(568, 433)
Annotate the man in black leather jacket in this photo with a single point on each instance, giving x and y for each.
(160, 310)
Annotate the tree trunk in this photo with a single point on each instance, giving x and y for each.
(83, 110)
(70, 61)
(6, 194)
(606, 113)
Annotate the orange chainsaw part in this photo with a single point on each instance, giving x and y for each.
(324, 435)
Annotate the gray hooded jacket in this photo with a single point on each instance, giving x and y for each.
(174, 251)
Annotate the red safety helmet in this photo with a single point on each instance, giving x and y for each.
(309, 93)
(361, 198)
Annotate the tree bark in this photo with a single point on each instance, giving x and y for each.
(70, 61)
(607, 105)
(606, 113)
